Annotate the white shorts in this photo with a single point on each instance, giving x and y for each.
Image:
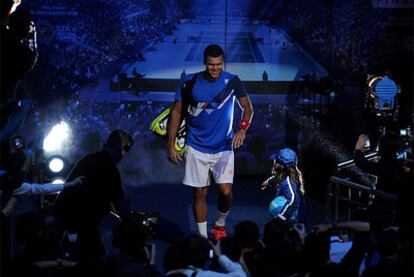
(198, 166)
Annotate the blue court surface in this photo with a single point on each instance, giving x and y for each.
(251, 48)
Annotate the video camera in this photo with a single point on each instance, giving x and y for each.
(147, 220)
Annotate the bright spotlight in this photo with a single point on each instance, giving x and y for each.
(58, 181)
(55, 138)
(56, 167)
(56, 164)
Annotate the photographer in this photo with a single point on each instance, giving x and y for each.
(394, 176)
(81, 208)
(389, 168)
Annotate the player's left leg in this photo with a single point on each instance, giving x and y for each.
(223, 173)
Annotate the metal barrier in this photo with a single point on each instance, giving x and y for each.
(335, 194)
(351, 162)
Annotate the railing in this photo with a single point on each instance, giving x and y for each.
(353, 194)
(350, 163)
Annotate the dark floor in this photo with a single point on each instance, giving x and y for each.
(174, 202)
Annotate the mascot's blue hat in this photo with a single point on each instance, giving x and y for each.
(286, 157)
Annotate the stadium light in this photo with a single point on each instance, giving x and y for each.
(55, 164)
(55, 138)
(58, 180)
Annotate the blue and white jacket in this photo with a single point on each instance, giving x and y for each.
(287, 201)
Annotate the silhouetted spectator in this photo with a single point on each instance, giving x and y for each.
(231, 248)
(28, 228)
(134, 258)
(317, 249)
(194, 252)
(280, 259)
(17, 58)
(28, 189)
(183, 74)
(247, 234)
(42, 254)
(265, 76)
(275, 230)
(14, 167)
(389, 245)
(172, 262)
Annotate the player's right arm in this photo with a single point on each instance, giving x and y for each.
(172, 129)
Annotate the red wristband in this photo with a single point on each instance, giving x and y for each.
(244, 124)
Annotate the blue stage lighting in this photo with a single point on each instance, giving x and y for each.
(382, 92)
